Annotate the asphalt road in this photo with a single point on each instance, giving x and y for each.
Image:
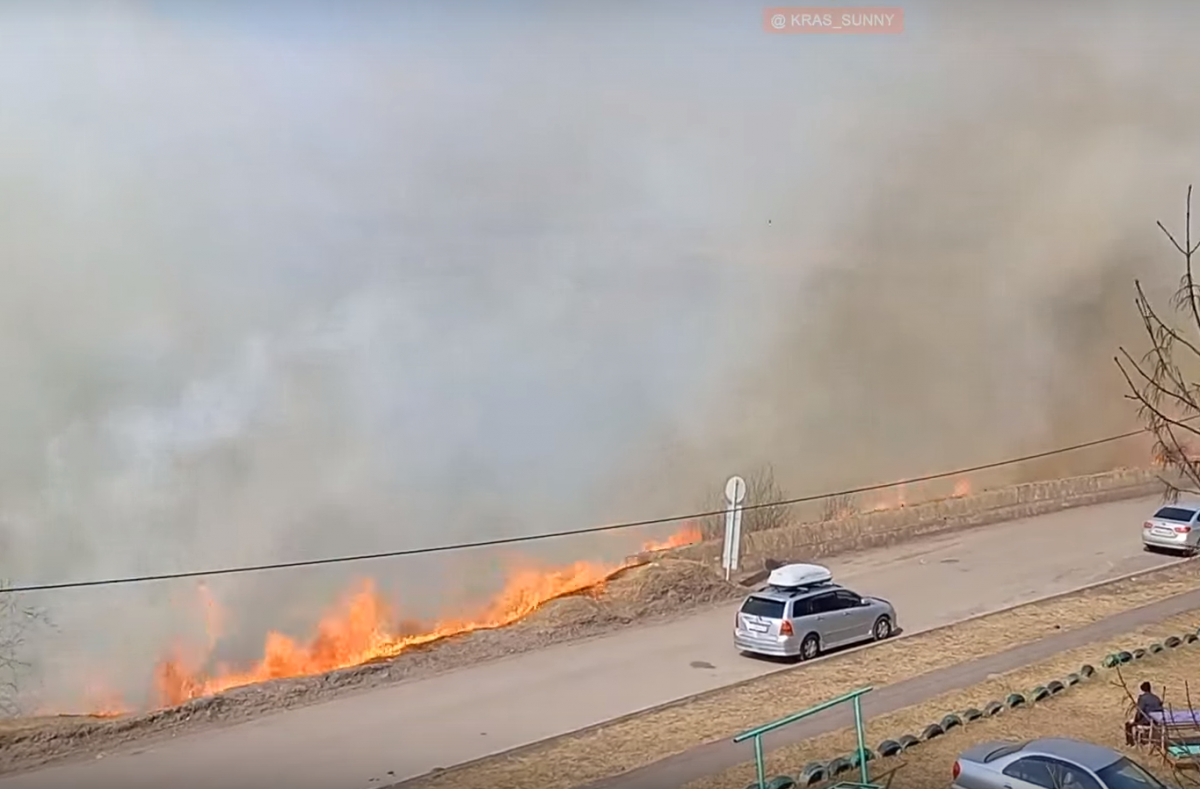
(714, 757)
(386, 735)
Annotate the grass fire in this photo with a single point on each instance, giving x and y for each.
(363, 627)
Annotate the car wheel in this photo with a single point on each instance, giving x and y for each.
(883, 628)
(810, 647)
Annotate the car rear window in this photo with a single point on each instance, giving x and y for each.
(1177, 514)
(1004, 750)
(761, 606)
(1125, 774)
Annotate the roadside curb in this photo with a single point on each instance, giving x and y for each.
(528, 747)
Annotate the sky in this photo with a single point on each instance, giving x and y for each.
(291, 280)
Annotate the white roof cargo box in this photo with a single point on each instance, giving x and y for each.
(794, 576)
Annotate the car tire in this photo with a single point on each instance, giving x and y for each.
(882, 629)
(810, 647)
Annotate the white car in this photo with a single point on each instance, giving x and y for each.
(1174, 527)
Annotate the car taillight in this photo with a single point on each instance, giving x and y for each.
(785, 628)
(1182, 529)
(1147, 525)
(957, 769)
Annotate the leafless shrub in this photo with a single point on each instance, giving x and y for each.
(1163, 381)
(16, 621)
(761, 489)
(835, 508)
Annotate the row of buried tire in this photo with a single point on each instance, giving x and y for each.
(819, 772)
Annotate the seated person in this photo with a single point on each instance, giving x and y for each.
(1147, 702)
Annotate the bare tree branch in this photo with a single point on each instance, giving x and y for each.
(16, 622)
(1168, 402)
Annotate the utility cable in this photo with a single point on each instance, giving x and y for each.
(501, 541)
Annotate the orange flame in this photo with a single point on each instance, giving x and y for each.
(362, 628)
(690, 534)
(961, 488)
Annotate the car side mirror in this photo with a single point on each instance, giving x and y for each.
(864, 602)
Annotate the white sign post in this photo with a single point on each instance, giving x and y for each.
(735, 496)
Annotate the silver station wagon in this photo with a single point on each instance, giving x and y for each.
(801, 613)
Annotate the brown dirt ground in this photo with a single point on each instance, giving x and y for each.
(1093, 710)
(627, 744)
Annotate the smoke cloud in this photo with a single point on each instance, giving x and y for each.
(280, 284)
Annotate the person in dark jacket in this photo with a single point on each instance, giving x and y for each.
(1147, 702)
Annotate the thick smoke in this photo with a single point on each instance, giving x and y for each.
(371, 281)
(993, 202)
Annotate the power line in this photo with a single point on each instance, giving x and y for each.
(500, 541)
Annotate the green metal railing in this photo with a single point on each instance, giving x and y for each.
(855, 699)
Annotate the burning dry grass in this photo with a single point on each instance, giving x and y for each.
(364, 628)
(633, 594)
(1093, 711)
(607, 750)
(566, 612)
